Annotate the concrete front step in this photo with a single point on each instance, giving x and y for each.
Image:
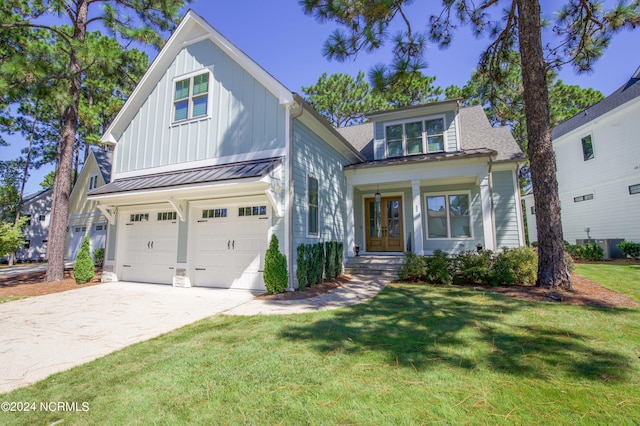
(374, 265)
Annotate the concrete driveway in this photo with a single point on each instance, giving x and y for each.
(43, 335)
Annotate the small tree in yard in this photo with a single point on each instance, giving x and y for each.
(83, 272)
(276, 276)
(11, 237)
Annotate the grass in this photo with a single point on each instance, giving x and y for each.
(412, 355)
(624, 279)
(10, 298)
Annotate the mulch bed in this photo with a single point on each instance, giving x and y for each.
(32, 284)
(585, 292)
(316, 290)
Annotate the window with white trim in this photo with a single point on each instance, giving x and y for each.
(191, 97)
(163, 216)
(213, 213)
(93, 182)
(634, 189)
(448, 216)
(414, 137)
(139, 217)
(587, 148)
(312, 206)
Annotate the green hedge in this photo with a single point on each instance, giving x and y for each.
(318, 261)
(509, 267)
(587, 251)
(630, 249)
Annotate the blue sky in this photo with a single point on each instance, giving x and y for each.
(288, 44)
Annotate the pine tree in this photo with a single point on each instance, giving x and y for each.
(84, 271)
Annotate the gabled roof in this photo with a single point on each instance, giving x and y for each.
(192, 29)
(476, 135)
(31, 197)
(627, 92)
(104, 160)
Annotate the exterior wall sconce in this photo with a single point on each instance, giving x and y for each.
(356, 248)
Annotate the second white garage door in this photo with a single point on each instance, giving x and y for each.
(229, 244)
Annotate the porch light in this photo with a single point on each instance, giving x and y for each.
(378, 197)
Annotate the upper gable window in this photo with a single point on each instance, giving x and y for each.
(415, 137)
(587, 148)
(93, 182)
(191, 97)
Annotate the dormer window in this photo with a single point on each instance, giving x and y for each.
(415, 137)
(191, 97)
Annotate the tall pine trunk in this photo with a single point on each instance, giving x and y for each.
(552, 266)
(65, 149)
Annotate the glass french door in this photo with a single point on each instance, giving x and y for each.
(384, 224)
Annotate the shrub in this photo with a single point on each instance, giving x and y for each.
(302, 267)
(630, 249)
(515, 266)
(438, 268)
(276, 276)
(588, 251)
(473, 267)
(414, 267)
(84, 270)
(98, 257)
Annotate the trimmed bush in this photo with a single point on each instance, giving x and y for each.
(276, 276)
(83, 271)
(588, 251)
(630, 249)
(473, 267)
(515, 266)
(98, 257)
(439, 268)
(414, 267)
(302, 264)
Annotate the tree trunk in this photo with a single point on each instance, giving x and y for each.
(552, 266)
(66, 143)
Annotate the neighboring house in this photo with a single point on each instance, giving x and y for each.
(84, 216)
(212, 156)
(598, 161)
(38, 208)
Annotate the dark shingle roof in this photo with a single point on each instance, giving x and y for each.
(224, 172)
(104, 160)
(627, 92)
(476, 134)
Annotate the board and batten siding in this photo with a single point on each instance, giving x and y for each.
(244, 118)
(506, 212)
(451, 141)
(312, 156)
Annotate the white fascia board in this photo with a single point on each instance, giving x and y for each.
(329, 137)
(181, 37)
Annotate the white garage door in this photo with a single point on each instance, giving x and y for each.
(97, 238)
(229, 245)
(150, 247)
(77, 233)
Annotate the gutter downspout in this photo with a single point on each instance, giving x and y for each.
(493, 207)
(295, 112)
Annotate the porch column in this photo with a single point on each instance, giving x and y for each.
(351, 238)
(487, 214)
(417, 218)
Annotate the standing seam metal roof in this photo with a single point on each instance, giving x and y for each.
(218, 173)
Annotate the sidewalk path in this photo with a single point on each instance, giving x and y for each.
(357, 290)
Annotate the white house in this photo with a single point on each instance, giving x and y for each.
(84, 216)
(38, 208)
(598, 161)
(212, 156)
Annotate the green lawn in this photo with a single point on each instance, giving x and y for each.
(623, 279)
(413, 355)
(10, 298)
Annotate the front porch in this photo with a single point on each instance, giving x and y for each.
(424, 207)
